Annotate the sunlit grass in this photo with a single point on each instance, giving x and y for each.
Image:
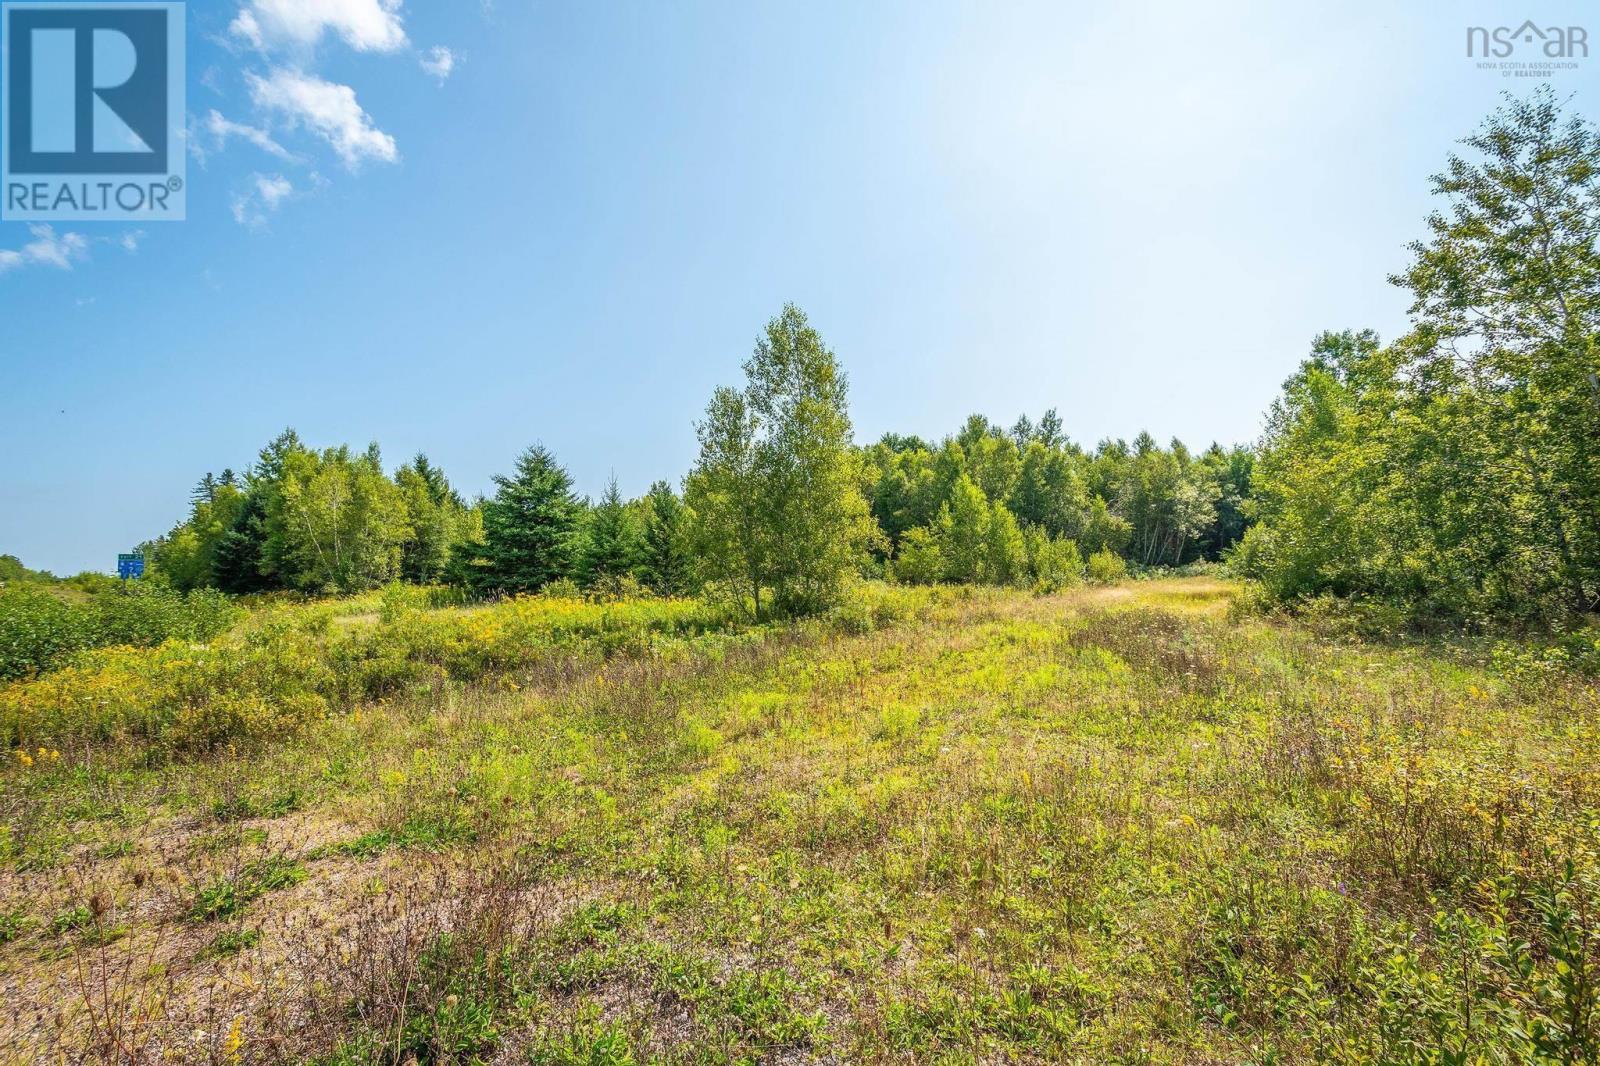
(1120, 824)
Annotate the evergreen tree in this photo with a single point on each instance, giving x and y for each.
(665, 562)
(236, 563)
(530, 527)
(611, 542)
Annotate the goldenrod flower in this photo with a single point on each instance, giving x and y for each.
(234, 1042)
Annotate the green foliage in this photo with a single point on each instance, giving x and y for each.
(1053, 563)
(315, 522)
(666, 563)
(289, 668)
(776, 491)
(13, 923)
(611, 542)
(1456, 472)
(919, 560)
(188, 556)
(1160, 507)
(530, 527)
(1106, 566)
(237, 561)
(1005, 555)
(12, 571)
(40, 629)
(422, 832)
(963, 531)
(232, 942)
(437, 520)
(335, 521)
(228, 895)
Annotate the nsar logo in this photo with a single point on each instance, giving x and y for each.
(1552, 42)
(92, 103)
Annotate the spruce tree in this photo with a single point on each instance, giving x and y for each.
(236, 564)
(611, 548)
(664, 559)
(530, 527)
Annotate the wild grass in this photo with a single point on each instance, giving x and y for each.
(1116, 825)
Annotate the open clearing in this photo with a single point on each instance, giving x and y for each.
(1116, 824)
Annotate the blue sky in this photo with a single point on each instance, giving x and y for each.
(466, 226)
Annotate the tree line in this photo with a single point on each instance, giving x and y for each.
(781, 509)
(1453, 473)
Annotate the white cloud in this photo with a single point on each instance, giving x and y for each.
(221, 129)
(130, 240)
(365, 25)
(273, 189)
(46, 248)
(439, 62)
(266, 193)
(328, 109)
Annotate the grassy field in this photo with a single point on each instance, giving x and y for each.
(1120, 824)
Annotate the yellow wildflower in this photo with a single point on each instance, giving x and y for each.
(234, 1042)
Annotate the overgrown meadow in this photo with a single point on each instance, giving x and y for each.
(1128, 823)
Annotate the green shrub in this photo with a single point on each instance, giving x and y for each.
(227, 896)
(290, 666)
(919, 561)
(1054, 563)
(41, 630)
(1106, 566)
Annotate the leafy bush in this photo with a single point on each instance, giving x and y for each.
(40, 630)
(1054, 563)
(291, 666)
(920, 561)
(1106, 566)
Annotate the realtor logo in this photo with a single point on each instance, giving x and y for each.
(92, 103)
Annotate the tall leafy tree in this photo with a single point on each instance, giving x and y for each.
(1457, 471)
(963, 533)
(919, 560)
(1006, 554)
(777, 488)
(1507, 302)
(335, 520)
(437, 518)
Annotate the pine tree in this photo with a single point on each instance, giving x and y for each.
(236, 564)
(664, 559)
(611, 546)
(530, 527)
